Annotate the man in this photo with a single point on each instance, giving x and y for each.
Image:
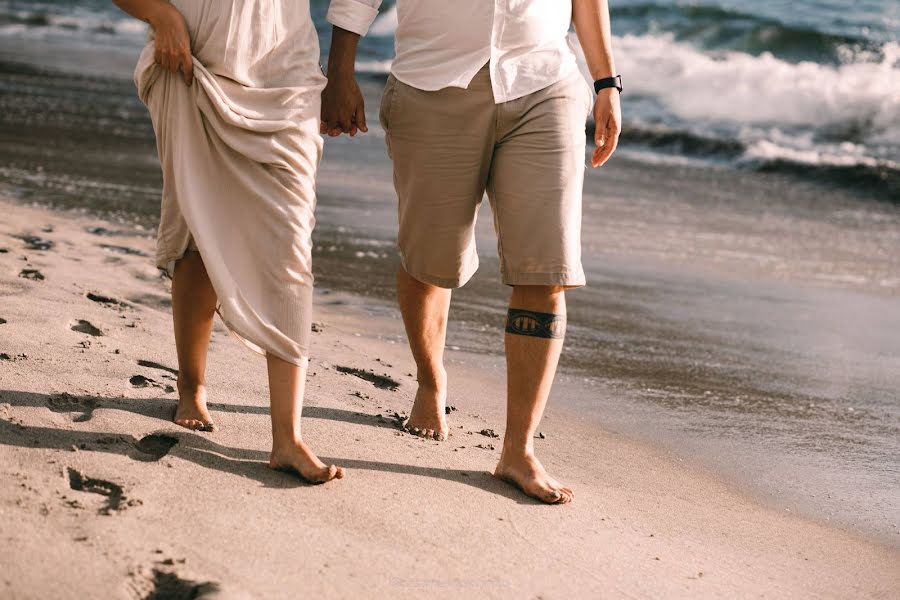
(486, 96)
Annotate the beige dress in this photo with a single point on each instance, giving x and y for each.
(239, 151)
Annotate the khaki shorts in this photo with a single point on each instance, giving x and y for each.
(451, 146)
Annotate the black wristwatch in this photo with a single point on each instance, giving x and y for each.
(608, 82)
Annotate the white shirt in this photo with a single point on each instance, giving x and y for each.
(444, 43)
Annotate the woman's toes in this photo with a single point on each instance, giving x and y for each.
(551, 496)
(338, 472)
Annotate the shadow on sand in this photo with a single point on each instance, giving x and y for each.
(201, 449)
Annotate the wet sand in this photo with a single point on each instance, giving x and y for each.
(743, 320)
(119, 502)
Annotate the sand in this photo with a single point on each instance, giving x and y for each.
(103, 497)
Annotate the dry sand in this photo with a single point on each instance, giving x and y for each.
(103, 497)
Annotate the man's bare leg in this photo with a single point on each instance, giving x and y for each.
(425, 309)
(193, 308)
(534, 337)
(287, 383)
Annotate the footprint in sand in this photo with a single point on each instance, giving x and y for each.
(33, 242)
(163, 583)
(380, 381)
(140, 381)
(32, 274)
(103, 231)
(155, 365)
(113, 491)
(124, 250)
(67, 403)
(105, 300)
(82, 326)
(152, 300)
(153, 447)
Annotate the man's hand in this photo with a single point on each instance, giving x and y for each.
(607, 125)
(343, 107)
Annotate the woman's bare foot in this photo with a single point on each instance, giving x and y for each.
(191, 412)
(427, 418)
(298, 458)
(527, 473)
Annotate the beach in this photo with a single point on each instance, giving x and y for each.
(103, 497)
(726, 407)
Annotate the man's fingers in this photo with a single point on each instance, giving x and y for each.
(361, 118)
(345, 123)
(604, 152)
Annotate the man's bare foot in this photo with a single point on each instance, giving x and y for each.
(299, 459)
(526, 473)
(427, 418)
(191, 412)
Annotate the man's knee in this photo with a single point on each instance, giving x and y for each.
(540, 293)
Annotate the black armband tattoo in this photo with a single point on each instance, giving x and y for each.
(535, 324)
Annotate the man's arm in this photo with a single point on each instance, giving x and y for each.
(343, 107)
(591, 18)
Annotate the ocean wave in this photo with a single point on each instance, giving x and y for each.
(838, 122)
(719, 28)
(712, 27)
(18, 19)
(857, 103)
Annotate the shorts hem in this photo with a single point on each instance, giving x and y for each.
(571, 280)
(450, 283)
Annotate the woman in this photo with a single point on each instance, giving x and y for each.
(233, 89)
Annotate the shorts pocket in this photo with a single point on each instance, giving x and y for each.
(589, 95)
(385, 110)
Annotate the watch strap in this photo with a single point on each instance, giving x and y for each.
(608, 82)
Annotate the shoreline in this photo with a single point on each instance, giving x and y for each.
(73, 403)
(742, 318)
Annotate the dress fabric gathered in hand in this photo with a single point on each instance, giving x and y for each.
(239, 151)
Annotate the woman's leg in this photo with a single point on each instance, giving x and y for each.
(286, 386)
(193, 309)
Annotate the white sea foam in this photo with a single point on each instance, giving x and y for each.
(764, 90)
(807, 113)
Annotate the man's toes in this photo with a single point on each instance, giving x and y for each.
(330, 472)
(439, 436)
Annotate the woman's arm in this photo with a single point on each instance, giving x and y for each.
(173, 42)
(591, 18)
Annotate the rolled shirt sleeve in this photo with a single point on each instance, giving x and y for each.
(353, 15)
